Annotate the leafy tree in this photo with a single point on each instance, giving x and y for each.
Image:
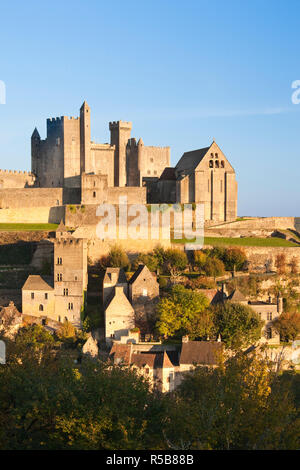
(48, 403)
(117, 258)
(280, 263)
(184, 312)
(234, 259)
(240, 405)
(174, 259)
(238, 324)
(149, 259)
(214, 267)
(35, 337)
(288, 326)
(200, 259)
(200, 282)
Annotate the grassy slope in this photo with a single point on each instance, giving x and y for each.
(217, 241)
(27, 227)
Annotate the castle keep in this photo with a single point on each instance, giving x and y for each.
(67, 167)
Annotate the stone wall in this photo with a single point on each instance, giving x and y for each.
(30, 197)
(267, 223)
(16, 179)
(29, 215)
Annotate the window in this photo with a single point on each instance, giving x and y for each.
(155, 172)
(269, 333)
(59, 318)
(70, 306)
(269, 316)
(94, 193)
(216, 155)
(211, 164)
(41, 308)
(217, 163)
(147, 370)
(66, 292)
(148, 172)
(75, 278)
(59, 277)
(151, 159)
(46, 296)
(59, 261)
(94, 184)
(222, 164)
(32, 295)
(145, 292)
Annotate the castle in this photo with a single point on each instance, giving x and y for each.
(68, 168)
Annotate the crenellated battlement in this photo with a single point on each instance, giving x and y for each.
(120, 125)
(16, 172)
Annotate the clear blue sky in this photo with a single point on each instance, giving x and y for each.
(184, 72)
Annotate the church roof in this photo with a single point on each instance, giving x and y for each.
(35, 282)
(190, 160)
(237, 296)
(200, 352)
(168, 174)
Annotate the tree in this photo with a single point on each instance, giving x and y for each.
(294, 265)
(117, 258)
(280, 263)
(234, 259)
(48, 403)
(200, 259)
(239, 405)
(214, 267)
(238, 325)
(184, 312)
(287, 326)
(174, 260)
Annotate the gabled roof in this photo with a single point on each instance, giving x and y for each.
(237, 296)
(120, 275)
(200, 352)
(168, 174)
(141, 270)
(35, 282)
(190, 160)
(121, 353)
(10, 313)
(215, 296)
(159, 360)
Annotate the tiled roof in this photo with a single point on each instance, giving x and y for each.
(237, 296)
(200, 352)
(190, 160)
(214, 295)
(168, 174)
(120, 353)
(118, 272)
(35, 282)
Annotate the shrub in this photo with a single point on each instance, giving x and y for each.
(117, 258)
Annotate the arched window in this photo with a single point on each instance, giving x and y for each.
(41, 308)
(217, 163)
(211, 164)
(222, 164)
(94, 193)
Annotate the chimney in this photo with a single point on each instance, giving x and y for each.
(224, 290)
(279, 305)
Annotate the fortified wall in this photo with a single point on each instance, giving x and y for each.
(16, 179)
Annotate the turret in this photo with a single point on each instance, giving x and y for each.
(35, 151)
(85, 137)
(119, 135)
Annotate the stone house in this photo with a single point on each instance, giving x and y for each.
(118, 316)
(143, 294)
(165, 368)
(113, 277)
(61, 297)
(267, 311)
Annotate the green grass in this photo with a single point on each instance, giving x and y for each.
(27, 227)
(223, 241)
